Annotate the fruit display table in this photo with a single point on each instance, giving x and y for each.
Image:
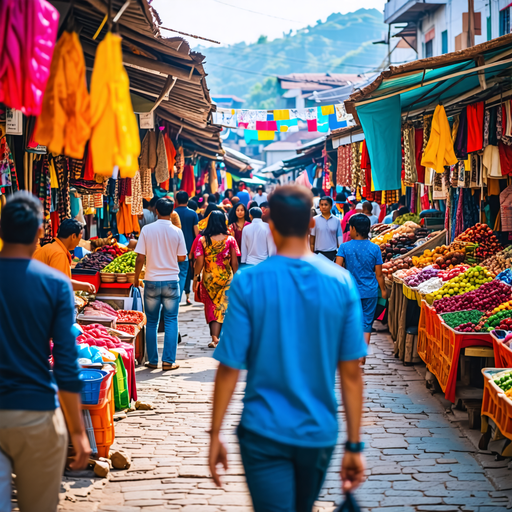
(439, 346)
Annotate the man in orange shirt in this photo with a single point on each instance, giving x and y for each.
(57, 253)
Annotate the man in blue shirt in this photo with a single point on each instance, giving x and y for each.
(291, 345)
(242, 194)
(36, 306)
(189, 222)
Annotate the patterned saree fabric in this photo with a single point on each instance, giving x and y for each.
(65, 122)
(27, 40)
(411, 175)
(115, 134)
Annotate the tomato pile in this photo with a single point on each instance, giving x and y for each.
(129, 317)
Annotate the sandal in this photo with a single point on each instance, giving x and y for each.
(212, 344)
(151, 366)
(169, 366)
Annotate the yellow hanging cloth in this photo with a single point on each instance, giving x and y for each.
(115, 135)
(54, 182)
(64, 125)
(439, 151)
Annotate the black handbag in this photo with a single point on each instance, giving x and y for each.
(349, 505)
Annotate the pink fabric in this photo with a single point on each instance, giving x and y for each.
(303, 179)
(344, 222)
(28, 30)
(129, 364)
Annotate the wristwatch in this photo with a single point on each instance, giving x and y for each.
(354, 447)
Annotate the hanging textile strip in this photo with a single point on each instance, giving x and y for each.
(98, 200)
(411, 175)
(137, 208)
(6, 164)
(115, 197)
(344, 166)
(356, 165)
(427, 127)
(75, 168)
(64, 202)
(147, 189)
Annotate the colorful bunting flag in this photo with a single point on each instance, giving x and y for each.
(281, 115)
(266, 135)
(327, 110)
(312, 125)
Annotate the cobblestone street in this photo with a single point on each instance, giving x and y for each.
(417, 456)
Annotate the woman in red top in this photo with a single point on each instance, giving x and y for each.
(238, 219)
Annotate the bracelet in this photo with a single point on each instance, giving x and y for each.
(354, 447)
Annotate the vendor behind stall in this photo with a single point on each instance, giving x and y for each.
(57, 253)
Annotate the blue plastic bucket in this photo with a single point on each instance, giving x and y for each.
(91, 385)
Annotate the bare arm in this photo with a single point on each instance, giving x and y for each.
(198, 266)
(72, 408)
(139, 263)
(351, 381)
(196, 230)
(340, 260)
(81, 286)
(380, 279)
(234, 260)
(312, 242)
(225, 382)
(181, 258)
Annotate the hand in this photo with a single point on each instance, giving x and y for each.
(89, 288)
(384, 293)
(218, 455)
(352, 471)
(196, 285)
(82, 448)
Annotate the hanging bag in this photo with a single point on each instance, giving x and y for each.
(349, 505)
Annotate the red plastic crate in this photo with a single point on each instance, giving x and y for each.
(87, 278)
(495, 404)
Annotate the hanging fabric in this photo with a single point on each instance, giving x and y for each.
(147, 157)
(171, 154)
(27, 42)
(188, 183)
(137, 207)
(356, 165)
(344, 166)
(411, 175)
(147, 189)
(64, 125)
(418, 152)
(115, 133)
(439, 151)
(162, 166)
(475, 115)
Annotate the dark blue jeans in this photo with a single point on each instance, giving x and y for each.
(162, 295)
(281, 477)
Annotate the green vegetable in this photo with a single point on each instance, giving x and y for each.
(122, 264)
(457, 318)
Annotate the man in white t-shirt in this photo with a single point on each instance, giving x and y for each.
(162, 247)
(261, 196)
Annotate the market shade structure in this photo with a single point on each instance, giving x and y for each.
(164, 71)
(479, 73)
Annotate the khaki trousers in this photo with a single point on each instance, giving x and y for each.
(35, 443)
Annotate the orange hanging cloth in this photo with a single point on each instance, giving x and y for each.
(64, 125)
(115, 134)
(188, 183)
(171, 154)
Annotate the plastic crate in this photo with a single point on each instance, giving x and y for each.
(502, 354)
(102, 420)
(105, 390)
(91, 385)
(495, 404)
(87, 276)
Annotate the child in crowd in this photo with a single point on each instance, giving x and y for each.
(363, 259)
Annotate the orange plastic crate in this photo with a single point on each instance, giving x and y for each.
(502, 354)
(495, 404)
(103, 424)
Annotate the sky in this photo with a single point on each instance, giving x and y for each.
(234, 21)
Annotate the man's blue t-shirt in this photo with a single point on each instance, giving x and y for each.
(36, 305)
(361, 256)
(189, 219)
(244, 197)
(291, 343)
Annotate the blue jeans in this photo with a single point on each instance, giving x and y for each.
(184, 266)
(281, 477)
(158, 295)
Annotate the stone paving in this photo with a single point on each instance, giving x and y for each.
(418, 458)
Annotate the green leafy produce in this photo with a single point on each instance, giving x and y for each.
(457, 318)
(122, 264)
(495, 320)
(413, 217)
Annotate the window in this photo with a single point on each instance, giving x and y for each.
(505, 21)
(444, 42)
(428, 48)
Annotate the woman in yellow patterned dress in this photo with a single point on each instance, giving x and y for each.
(217, 258)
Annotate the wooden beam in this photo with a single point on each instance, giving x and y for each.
(480, 61)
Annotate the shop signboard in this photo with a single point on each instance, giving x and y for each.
(14, 122)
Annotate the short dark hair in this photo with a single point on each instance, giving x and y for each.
(227, 192)
(69, 227)
(212, 199)
(252, 204)
(361, 223)
(315, 191)
(164, 206)
(240, 183)
(21, 217)
(216, 226)
(256, 212)
(326, 198)
(341, 197)
(182, 197)
(290, 210)
(403, 211)
(264, 204)
(153, 201)
(192, 204)
(367, 207)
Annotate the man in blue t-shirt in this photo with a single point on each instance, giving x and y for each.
(36, 306)
(291, 345)
(189, 222)
(363, 259)
(242, 194)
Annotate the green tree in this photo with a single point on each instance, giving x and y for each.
(263, 95)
